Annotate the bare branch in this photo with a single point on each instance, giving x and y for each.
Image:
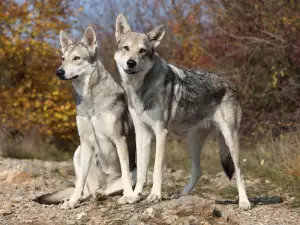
(249, 38)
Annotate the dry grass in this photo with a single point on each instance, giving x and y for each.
(277, 161)
(30, 146)
(177, 156)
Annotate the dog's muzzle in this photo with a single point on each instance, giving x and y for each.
(130, 72)
(131, 64)
(60, 73)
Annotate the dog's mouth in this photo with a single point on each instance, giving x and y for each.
(131, 72)
(73, 78)
(64, 78)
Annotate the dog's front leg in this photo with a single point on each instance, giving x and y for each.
(143, 147)
(161, 137)
(76, 162)
(121, 146)
(85, 162)
(144, 137)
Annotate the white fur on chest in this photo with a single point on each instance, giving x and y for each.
(150, 116)
(98, 132)
(100, 123)
(81, 85)
(105, 123)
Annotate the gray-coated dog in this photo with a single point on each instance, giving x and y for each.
(163, 98)
(107, 138)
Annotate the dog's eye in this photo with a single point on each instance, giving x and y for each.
(76, 58)
(142, 50)
(126, 48)
(63, 59)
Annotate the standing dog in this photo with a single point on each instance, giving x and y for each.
(107, 138)
(163, 98)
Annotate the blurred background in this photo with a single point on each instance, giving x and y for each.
(254, 43)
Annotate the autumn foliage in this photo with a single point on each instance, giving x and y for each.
(31, 95)
(255, 44)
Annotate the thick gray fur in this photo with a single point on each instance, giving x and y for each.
(165, 98)
(107, 137)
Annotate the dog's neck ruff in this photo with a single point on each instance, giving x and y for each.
(93, 91)
(87, 89)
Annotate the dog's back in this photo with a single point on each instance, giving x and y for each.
(201, 93)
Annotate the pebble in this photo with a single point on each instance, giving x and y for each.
(79, 216)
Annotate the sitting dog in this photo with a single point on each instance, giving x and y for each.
(107, 138)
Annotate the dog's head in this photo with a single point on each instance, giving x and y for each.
(77, 59)
(134, 53)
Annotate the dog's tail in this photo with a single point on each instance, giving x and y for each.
(225, 155)
(55, 197)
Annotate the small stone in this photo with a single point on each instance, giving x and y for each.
(103, 210)
(79, 216)
(171, 219)
(66, 170)
(70, 222)
(246, 213)
(6, 211)
(288, 198)
(204, 223)
(17, 199)
(149, 212)
(17, 177)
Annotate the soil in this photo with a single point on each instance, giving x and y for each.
(23, 180)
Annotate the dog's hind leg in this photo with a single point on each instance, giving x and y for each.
(228, 124)
(196, 140)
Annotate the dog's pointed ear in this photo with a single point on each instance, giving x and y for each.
(65, 41)
(156, 35)
(122, 26)
(90, 40)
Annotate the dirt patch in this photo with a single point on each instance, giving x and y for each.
(22, 180)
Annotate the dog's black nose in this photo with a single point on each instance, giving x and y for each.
(60, 73)
(131, 63)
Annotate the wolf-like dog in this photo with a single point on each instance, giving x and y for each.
(163, 97)
(106, 131)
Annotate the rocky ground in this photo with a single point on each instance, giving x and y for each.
(22, 180)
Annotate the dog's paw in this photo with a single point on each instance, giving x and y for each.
(129, 199)
(122, 200)
(244, 204)
(99, 193)
(65, 199)
(85, 197)
(153, 197)
(175, 196)
(68, 205)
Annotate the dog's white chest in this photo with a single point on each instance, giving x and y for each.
(95, 128)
